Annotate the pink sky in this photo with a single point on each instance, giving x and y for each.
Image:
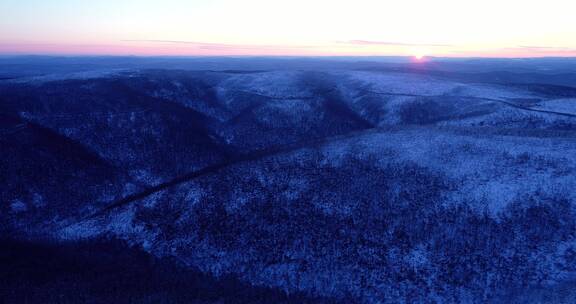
(214, 49)
(453, 28)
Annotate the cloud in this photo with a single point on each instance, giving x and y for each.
(542, 50)
(226, 46)
(545, 48)
(392, 43)
(176, 42)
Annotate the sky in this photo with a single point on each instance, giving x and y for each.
(442, 28)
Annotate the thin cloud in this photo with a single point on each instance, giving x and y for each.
(393, 43)
(176, 42)
(542, 50)
(545, 48)
(225, 46)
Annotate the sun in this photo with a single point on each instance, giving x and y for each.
(419, 54)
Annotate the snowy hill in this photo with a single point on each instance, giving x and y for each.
(320, 185)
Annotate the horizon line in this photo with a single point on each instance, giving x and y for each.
(275, 56)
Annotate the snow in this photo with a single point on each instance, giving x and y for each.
(486, 166)
(564, 105)
(18, 206)
(271, 84)
(95, 74)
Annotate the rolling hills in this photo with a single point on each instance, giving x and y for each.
(347, 184)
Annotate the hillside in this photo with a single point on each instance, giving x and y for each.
(344, 184)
